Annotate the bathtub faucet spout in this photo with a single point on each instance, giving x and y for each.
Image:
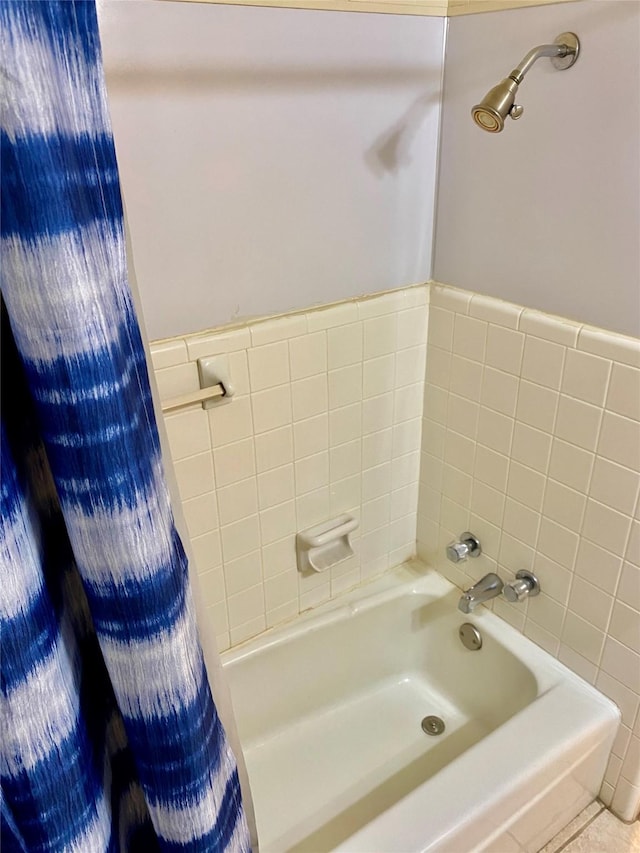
(487, 587)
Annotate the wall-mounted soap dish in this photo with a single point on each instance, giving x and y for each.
(326, 544)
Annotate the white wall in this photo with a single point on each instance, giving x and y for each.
(270, 158)
(547, 213)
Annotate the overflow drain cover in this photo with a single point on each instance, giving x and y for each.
(432, 725)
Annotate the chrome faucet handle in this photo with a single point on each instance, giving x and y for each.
(467, 546)
(525, 585)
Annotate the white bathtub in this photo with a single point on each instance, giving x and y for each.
(329, 711)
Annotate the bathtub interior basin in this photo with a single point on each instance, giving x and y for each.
(329, 712)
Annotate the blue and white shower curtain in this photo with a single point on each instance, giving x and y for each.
(110, 740)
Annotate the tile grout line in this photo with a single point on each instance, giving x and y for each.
(579, 832)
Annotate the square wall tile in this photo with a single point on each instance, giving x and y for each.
(277, 522)
(345, 386)
(438, 368)
(491, 467)
(459, 450)
(499, 391)
(622, 663)
(526, 485)
(274, 448)
(309, 397)
(238, 500)
(312, 472)
(495, 431)
(312, 435)
(411, 327)
(313, 507)
(633, 545)
(308, 355)
(620, 440)
(606, 527)
(231, 421)
(578, 422)
(469, 338)
(345, 424)
(376, 448)
(615, 486)
(407, 403)
(207, 551)
(272, 408)
(624, 391)
(441, 327)
(243, 573)
(504, 349)
(201, 514)
(240, 538)
(188, 433)
(380, 336)
(564, 505)
(234, 462)
(345, 460)
(345, 345)
(625, 625)
(194, 475)
(377, 413)
(378, 375)
(554, 578)
(462, 416)
(246, 605)
(176, 381)
(590, 603)
(531, 447)
(278, 556)
(466, 378)
(280, 589)
(268, 366)
(629, 587)
(537, 406)
(168, 353)
(276, 486)
(211, 585)
(571, 465)
(521, 522)
(583, 637)
(598, 565)
(410, 366)
(586, 377)
(543, 362)
(558, 543)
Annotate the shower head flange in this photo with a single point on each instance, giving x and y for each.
(561, 63)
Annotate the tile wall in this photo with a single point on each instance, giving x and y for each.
(326, 419)
(531, 439)
(526, 430)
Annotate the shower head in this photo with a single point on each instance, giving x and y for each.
(499, 102)
(496, 105)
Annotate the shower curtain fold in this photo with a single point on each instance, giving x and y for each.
(110, 736)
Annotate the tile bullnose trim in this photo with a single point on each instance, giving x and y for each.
(549, 327)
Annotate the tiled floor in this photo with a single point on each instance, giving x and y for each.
(596, 830)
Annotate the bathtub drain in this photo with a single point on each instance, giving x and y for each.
(432, 725)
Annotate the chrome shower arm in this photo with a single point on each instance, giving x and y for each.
(551, 50)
